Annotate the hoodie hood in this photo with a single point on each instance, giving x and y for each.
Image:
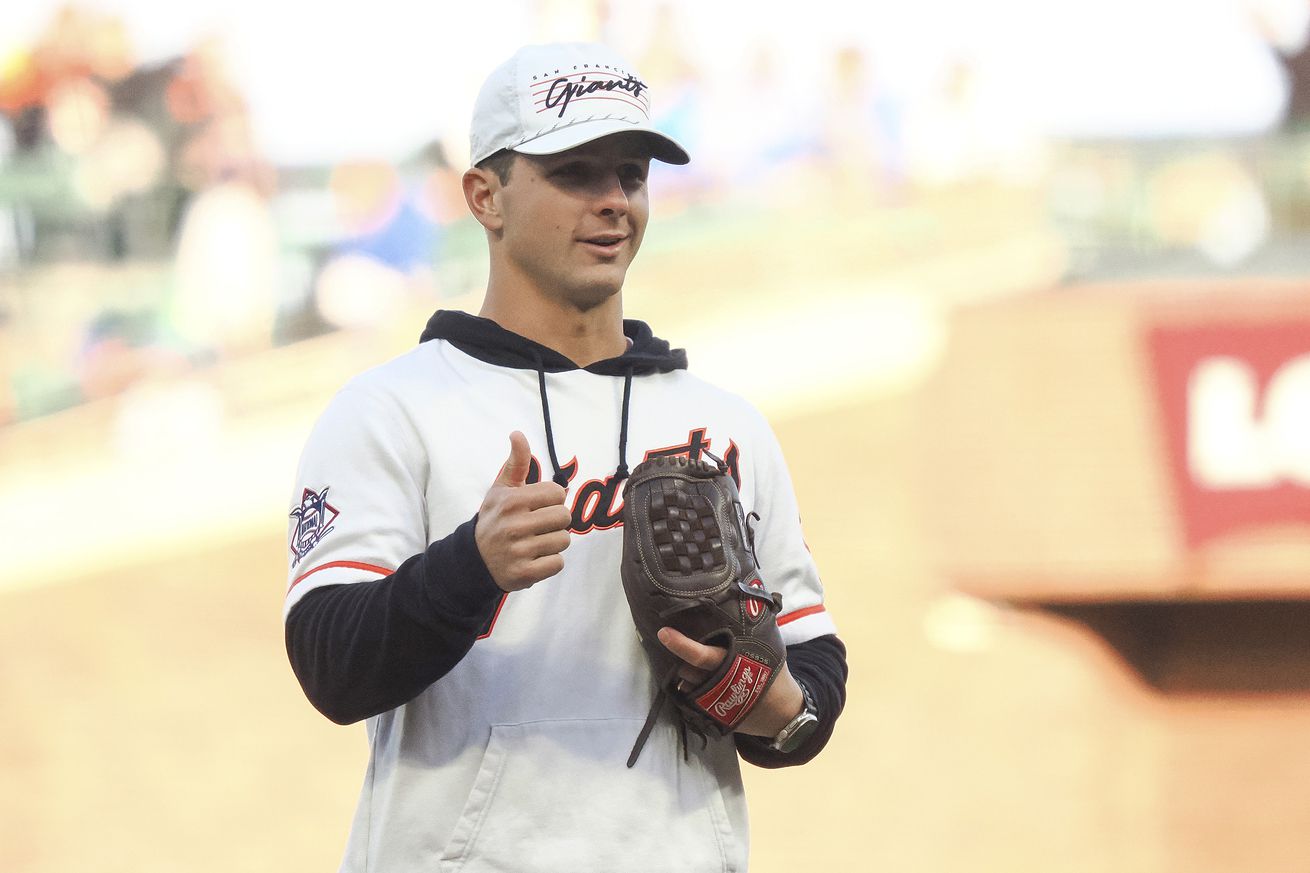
(487, 341)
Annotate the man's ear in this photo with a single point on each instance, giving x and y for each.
(482, 194)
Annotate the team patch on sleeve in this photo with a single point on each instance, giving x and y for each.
(314, 520)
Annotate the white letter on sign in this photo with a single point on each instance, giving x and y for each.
(1226, 446)
(1287, 419)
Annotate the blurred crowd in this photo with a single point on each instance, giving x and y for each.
(143, 233)
(112, 169)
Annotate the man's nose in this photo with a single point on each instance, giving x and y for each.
(613, 199)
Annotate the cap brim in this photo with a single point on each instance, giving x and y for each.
(662, 147)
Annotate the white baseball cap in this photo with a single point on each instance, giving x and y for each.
(550, 98)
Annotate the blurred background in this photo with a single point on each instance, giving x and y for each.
(1039, 277)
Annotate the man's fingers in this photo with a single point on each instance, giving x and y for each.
(540, 494)
(545, 567)
(551, 543)
(549, 519)
(522, 528)
(514, 472)
(696, 654)
(525, 574)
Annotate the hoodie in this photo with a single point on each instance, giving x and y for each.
(389, 594)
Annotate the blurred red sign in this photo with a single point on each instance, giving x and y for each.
(1236, 413)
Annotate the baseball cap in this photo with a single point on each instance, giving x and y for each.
(550, 98)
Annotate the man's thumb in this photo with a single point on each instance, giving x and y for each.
(515, 471)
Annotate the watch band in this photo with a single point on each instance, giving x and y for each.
(798, 730)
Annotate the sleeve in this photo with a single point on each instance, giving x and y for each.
(357, 509)
(364, 648)
(361, 636)
(785, 560)
(815, 656)
(820, 665)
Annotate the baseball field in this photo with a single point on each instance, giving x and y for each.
(150, 721)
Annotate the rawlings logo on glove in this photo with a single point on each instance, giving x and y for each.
(742, 686)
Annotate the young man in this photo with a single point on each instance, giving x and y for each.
(455, 537)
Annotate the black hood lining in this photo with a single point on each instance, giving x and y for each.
(487, 341)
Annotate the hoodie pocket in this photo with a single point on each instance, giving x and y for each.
(552, 796)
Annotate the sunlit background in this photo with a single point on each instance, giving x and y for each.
(1023, 285)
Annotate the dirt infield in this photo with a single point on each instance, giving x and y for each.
(151, 723)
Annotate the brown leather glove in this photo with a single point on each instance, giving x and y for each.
(689, 563)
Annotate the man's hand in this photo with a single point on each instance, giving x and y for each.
(522, 528)
(783, 701)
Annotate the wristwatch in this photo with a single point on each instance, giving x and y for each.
(799, 729)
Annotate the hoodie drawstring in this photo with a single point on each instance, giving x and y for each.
(561, 478)
(621, 472)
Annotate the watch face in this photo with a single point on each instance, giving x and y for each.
(800, 735)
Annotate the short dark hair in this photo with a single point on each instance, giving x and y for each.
(499, 163)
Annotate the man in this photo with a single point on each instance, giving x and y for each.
(481, 629)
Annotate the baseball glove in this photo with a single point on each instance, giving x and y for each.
(689, 563)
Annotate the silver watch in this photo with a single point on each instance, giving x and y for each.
(799, 729)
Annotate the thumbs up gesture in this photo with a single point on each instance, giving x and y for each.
(522, 528)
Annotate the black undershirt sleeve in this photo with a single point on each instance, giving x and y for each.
(363, 648)
(820, 665)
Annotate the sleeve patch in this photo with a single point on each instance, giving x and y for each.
(314, 520)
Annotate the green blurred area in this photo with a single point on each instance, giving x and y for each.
(1120, 210)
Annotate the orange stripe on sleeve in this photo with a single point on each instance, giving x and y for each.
(800, 613)
(354, 565)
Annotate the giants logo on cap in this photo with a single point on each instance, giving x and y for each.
(1236, 403)
(598, 82)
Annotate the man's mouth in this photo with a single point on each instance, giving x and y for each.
(605, 241)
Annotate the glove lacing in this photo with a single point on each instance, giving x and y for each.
(656, 707)
(662, 696)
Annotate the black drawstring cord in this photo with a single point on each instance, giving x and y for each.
(560, 478)
(621, 472)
